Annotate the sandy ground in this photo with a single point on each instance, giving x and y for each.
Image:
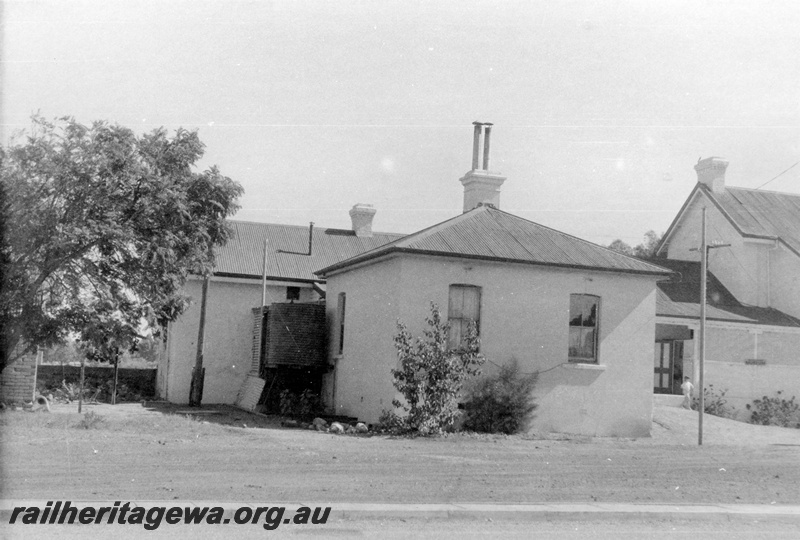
(138, 453)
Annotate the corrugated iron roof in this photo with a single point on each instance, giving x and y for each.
(287, 250)
(753, 213)
(491, 234)
(763, 213)
(680, 297)
(684, 286)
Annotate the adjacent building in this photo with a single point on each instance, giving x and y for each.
(753, 318)
(244, 284)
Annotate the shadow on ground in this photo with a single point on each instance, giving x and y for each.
(224, 415)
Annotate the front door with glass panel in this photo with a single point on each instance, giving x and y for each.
(668, 367)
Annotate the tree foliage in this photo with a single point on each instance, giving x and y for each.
(431, 374)
(645, 250)
(102, 229)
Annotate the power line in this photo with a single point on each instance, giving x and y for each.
(787, 170)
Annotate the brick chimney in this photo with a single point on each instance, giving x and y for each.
(480, 185)
(361, 216)
(711, 173)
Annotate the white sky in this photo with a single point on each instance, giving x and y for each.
(601, 108)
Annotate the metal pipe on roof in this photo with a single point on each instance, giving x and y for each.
(476, 145)
(486, 137)
(264, 276)
(310, 237)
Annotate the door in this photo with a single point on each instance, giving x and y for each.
(668, 367)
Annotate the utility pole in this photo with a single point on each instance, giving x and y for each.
(704, 248)
(703, 286)
(198, 373)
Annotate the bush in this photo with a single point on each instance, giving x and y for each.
(503, 403)
(432, 374)
(775, 411)
(304, 406)
(389, 422)
(714, 403)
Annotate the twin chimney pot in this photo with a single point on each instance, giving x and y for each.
(480, 185)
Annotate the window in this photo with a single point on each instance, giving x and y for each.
(583, 324)
(293, 293)
(464, 307)
(340, 317)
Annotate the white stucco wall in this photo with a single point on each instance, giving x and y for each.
(228, 338)
(361, 383)
(741, 267)
(524, 315)
(758, 272)
(784, 287)
(726, 367)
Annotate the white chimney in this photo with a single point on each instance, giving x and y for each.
(480, 185)
(361, 216)
(711, 173)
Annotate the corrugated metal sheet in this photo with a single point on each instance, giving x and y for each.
(742, 314)
(680, 297)
(295, 335)
(684, 286)
(763, 213)
(287, 250)
(489, 233)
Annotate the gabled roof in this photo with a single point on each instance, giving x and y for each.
(769, 214)
(486, 233)
(680, 297)
(753, 213)
(287, 251)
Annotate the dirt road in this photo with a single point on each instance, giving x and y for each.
(141, 454)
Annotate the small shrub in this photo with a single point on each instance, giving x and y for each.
(502, 403)
(431, 374)
(90, 420)
(389, 422)
(714, 403)
(775, 411)
(303, 406)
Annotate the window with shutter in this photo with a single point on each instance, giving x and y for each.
(464, 306)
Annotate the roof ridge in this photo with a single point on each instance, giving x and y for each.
(464, 236)
(433, 229)
(422, 234)
(615, 253)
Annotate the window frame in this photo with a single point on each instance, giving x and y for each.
(341, 309)
(595, 358)
(292, 293)
(462, 320)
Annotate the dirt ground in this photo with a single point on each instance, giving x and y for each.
(160, 452)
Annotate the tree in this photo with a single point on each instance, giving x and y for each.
(621, 247)
(432, 374)
(102, 229)
(645, 250)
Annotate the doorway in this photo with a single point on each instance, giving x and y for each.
(668, 367)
